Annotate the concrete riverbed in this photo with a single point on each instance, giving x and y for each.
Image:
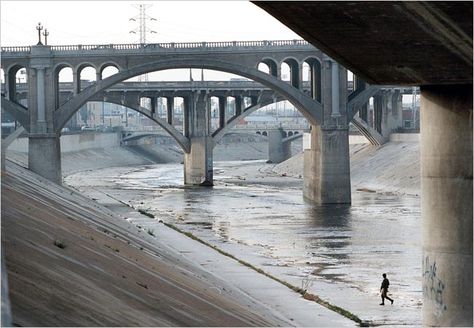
(336, 252)
(255, 213)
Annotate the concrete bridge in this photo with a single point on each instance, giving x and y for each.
(429, 44)
(279, 140)
(327, 106)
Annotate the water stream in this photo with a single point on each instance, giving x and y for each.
(341, 250)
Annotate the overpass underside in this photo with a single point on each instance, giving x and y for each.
(428, 44)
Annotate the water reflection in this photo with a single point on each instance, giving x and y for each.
(335, 243)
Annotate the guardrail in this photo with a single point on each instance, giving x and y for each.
(169, 45)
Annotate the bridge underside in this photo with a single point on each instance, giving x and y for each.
(427, 44)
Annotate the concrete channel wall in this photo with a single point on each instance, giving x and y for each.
(75, 142)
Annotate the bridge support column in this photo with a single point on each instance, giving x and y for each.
(44, 155)
(326, 170)
(326, 175)
(278, 150)
(198, 163)
(222, 112)
(169, 109)
(446, 205)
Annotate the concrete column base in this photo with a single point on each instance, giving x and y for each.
(198, 163)
(446, 205)
(44, 156)
(278, 151)
(326, 174)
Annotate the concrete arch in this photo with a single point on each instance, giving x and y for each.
(56, 89)
(310, 59)
(362, 98)
(315, 65)
(272, 65)
(311, 109)
(294, 71)
(108, 64)
(59, 66)
(19, 112)
(219, 133)
(182, 141)
(10, 81)
(78, 68)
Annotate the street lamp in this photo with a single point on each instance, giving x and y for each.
(39, 27)
(45, 33)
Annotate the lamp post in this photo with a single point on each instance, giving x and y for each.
(39, 27)
(45, 33)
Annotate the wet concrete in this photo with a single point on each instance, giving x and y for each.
(336, 252)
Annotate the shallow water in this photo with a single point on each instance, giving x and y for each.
(343, 246)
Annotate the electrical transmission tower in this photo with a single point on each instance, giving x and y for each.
(142, 29)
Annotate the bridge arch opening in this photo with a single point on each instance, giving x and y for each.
(3, 78)
(17, 78)
(161, 107)
(269, 66)
(62, 74)
(108, 70)
(350, 81)
(230, 106)
(178, 113)
(312, 67)
(292, 68)
(86, 74)
(216, 112)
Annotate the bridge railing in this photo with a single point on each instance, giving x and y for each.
(169, 45)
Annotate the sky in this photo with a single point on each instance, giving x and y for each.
(103, 22)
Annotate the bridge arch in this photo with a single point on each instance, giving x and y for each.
(182, 141)
(103, 66)
(78, 71)
(221, 131)
(11, 80)
(294, 71)
(271, 64)
(314, 76)
(56, 80)
(307, 106)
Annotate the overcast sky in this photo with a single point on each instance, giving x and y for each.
(102, 22)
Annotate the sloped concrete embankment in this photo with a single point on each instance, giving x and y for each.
(72, 262)
(393, 167)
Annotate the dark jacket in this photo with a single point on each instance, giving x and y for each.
(385, 284)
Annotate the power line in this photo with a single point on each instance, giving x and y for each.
(142, 17)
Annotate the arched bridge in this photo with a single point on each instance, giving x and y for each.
(327, 104)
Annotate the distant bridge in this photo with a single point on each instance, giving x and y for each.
(325, 102)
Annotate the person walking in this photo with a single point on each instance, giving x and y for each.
(384, 289)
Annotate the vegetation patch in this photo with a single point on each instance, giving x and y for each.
(146, 213)
(60, 243)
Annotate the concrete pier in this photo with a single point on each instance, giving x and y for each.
(326, 174)
(198, 163)
(278, 150)
(44, 156)
(446, 202)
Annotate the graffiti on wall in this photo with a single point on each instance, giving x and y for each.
(433, 286)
